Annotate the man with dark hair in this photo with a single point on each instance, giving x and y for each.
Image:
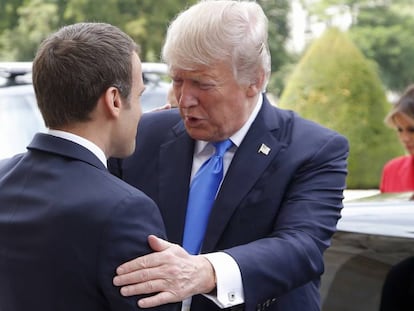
(66, 223)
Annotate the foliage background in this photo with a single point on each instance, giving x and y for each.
(382, 29)
(336, 86)
(25, 23)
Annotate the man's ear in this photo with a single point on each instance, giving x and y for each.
(112, 101)
(256, 86)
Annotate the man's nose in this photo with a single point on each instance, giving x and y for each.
(188, 97)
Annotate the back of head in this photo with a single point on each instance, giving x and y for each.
(212, 32)
(74, 66)
(404, 105)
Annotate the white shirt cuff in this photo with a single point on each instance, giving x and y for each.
(228, 278)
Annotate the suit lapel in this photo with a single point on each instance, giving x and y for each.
(246, 168)
(176, 157)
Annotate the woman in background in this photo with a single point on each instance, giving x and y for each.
(398, 176)
(398, 173)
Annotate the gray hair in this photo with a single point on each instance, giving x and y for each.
(221, 30)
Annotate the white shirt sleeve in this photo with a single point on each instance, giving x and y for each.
(228, 278)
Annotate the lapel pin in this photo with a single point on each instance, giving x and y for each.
(264, 149)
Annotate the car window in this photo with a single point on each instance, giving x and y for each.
(19, 120)
(155, 95)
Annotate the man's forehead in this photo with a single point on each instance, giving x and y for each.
(213, 72)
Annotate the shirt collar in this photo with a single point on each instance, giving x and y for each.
(98, 152)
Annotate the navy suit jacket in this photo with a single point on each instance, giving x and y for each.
(274, 214)
(66, 223)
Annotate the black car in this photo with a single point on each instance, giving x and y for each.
(20, 118)
(374, 234)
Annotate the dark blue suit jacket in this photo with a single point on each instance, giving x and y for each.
(275, 214)
(66, 223)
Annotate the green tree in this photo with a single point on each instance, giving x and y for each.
(92, 11)
(36, 19)
(8, 13)
(336, 86)
(383, 30)
(386, 35)
(144, 20)
(154, 20)
(277, 12)
(279, 31)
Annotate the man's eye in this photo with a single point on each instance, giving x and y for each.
(205, 86)
(177, 81)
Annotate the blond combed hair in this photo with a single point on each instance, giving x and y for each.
(217, 31)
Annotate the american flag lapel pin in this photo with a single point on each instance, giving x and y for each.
(264, 149)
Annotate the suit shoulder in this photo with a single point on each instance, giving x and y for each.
(160, 119)
(156, 127)
(120, 188)
(308, 124)
(8, 163)
(107, 189)
(300, 129)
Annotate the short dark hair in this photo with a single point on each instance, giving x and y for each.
(76, 65)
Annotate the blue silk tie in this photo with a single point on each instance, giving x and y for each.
(203, 192)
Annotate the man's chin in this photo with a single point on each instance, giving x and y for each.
(198, 134)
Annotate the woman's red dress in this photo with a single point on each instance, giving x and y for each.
(398, 175)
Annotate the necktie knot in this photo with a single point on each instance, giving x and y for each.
(222, 147)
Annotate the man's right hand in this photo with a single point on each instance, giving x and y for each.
(170, 272)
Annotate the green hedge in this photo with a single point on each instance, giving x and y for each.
(336, 86)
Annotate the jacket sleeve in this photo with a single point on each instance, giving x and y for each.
(292, 255)
(125, 238)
